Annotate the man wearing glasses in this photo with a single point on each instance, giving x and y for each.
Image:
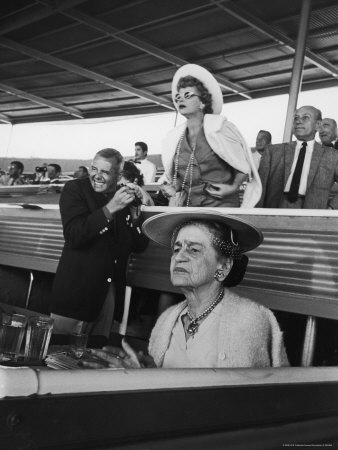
(100, 228)
(299, 174)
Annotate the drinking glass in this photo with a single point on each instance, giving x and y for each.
(12, 330)
(38, 336)
(78, 344)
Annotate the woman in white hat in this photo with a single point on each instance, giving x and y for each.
(212, 327)
(206, 159)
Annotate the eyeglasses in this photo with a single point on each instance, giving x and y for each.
(187, 95)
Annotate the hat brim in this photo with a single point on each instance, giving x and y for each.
(203, 75)
(160, 227)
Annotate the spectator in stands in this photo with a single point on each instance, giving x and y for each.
(206, 159)
(147, 168)
(213, 327)
(100, 228)
(299, 174)
(263, 139)
(54, 172)
(131, 176)
(328, 133)
(14, 177)
(41, 175)
(82, 172)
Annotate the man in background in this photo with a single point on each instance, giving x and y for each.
(328, 133)
(299, 174)
(146, 167)
(14, 177)
(263, 139)
(81, 172)
(54, 172)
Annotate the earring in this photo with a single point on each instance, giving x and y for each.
(201, 106)
(218, 274)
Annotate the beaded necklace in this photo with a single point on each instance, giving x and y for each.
(188, 171)
(194, 325)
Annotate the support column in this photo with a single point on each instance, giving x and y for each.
(297, 70)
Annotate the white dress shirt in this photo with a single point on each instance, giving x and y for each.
(148, 170)
(306, 167)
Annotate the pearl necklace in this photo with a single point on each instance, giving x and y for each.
(194, 325)
(188, 171)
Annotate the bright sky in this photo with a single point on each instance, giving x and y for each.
(82, 139)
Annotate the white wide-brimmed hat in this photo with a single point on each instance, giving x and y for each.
(206, 78)
(160, 227)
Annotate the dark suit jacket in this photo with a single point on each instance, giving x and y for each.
(94, 254)
(275, 168)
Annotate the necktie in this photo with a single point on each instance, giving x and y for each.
(294, 187)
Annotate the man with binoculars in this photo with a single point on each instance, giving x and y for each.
(101, 227)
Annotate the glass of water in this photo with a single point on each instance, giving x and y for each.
(38, 336)
(78, 344)
(12, 330)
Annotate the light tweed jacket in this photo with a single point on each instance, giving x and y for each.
(275, 168)
(248, 335)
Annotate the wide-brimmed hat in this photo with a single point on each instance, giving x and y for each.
(160, 227)
(206, 78)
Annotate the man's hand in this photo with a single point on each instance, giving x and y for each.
(122, 198)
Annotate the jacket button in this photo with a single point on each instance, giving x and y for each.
(222, 356)
(109, 280)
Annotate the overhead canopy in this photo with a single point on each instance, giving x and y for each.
(85, 59)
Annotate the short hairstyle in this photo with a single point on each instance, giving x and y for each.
(110, 153)
(56, 167)
(84, 168)
(333, 121)
(143, 145)
(19, 165)
(205, 96)
(317, 112)
(130, 172)
(267, 134)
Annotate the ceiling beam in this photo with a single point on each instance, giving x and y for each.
(259, 25)
(86, 73)
(41, 101)
(37, 13)
(140, 44)
(4, 118)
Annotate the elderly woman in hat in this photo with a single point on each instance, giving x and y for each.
(206, 159)
(212, 327)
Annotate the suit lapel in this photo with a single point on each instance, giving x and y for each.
(317, 154)
(289, 155)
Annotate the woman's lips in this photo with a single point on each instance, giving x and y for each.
(180, 270)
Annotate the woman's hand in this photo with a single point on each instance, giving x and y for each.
(115, 357)
(221, 191)
(168, 190)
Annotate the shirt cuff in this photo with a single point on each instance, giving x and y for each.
(107, 213)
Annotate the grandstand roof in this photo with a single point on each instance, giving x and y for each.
(68, 59)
